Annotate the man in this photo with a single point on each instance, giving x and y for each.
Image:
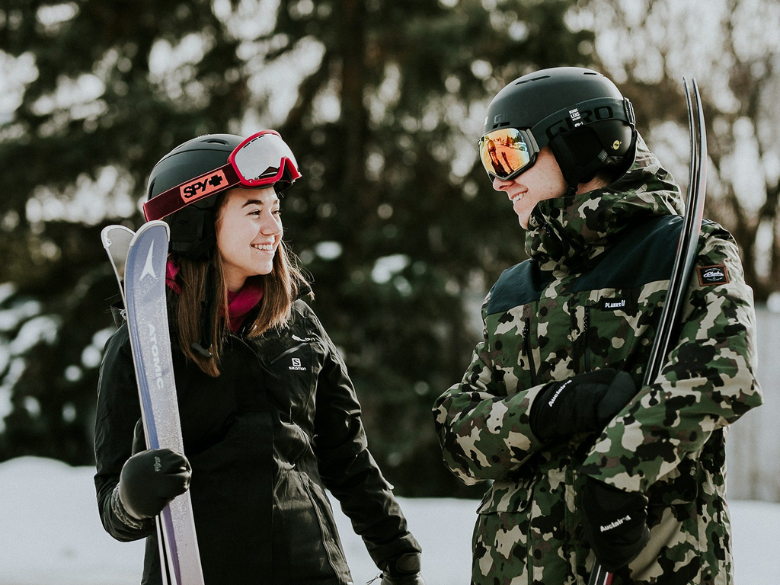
(586, 462)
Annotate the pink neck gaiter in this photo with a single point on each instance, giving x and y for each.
(240, 303)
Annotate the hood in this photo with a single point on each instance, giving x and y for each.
(569, 232)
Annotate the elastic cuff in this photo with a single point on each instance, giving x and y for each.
(124, 516)
(532, 395)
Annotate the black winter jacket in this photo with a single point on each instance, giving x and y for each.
(279, 425)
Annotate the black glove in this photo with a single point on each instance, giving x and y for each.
(580, 404)
(150, 479)
(614, 523)
(403, 570)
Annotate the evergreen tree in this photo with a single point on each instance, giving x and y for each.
(394, 217)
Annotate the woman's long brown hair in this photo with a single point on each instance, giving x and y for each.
(280, 289)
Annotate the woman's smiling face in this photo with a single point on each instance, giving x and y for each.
(249, 231)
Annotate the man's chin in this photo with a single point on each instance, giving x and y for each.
(523, 221)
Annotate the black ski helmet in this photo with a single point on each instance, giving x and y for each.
(579, 113)
(192, 227)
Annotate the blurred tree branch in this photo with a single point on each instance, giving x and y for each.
(733, 58)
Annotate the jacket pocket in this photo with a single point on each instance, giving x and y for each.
(287, 352)
(330, 536)
(506, 496)
(500, 545)
(585, 333)
(293, 374)
(528, 350)
(679, 486)
(612, 329)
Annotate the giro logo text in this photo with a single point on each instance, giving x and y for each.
(203, 186)
(578, 118)
(296, 365)
(157, 464)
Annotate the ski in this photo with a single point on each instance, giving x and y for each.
(139, 261)
(683, 262)
(116, 241)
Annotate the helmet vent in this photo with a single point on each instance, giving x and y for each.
(215, 141)
(534, 79)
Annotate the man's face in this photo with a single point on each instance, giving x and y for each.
(543, 180)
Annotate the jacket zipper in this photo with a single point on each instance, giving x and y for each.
(587, 341)
(527, 350)
(294, 348)
(243, 342)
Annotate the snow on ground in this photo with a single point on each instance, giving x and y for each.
(50, 534)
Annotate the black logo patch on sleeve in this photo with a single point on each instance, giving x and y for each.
(717, 274)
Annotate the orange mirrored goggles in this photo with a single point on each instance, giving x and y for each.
(507, 152)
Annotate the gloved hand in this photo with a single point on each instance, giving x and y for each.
(403, 570)
(580, 404)
(614, 523)
(152, 478)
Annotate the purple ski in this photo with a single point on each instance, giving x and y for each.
(139, 261)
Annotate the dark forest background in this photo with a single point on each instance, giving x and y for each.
(382, 101)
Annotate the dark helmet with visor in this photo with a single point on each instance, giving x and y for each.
(580, 114)
(184, 184)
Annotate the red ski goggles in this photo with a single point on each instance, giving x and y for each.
(507, 152)
(262, 159)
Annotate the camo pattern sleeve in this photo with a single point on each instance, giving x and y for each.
(706, 383)
(483, 424)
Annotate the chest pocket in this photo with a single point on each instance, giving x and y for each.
(615, 331)
(295, 352)
(513, 353)
(293, 363)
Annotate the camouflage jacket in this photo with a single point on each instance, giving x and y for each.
(590, 297)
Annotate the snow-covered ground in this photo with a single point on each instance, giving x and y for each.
(50, 534)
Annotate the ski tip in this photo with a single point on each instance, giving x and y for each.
(155, 229)
(156, 224)
(112, 234)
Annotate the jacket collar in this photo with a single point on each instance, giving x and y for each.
(572, 231)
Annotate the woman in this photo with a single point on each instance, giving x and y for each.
(269, 415)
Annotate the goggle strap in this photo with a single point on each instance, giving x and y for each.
(533, 147)
(629, 111)
(180, 196)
